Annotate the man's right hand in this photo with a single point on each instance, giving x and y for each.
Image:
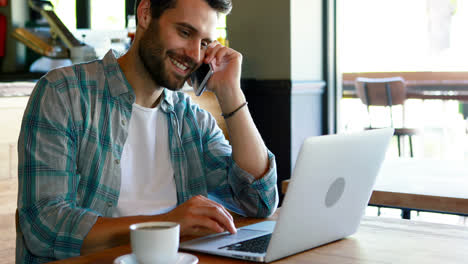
(201, 214)
(197, 216)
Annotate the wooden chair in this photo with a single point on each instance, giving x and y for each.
(17, 225)
(385, 92)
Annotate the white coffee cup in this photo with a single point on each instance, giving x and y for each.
(155, 242)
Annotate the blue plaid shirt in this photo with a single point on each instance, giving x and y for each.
(72, 136)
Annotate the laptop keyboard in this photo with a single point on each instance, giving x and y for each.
(254, 245)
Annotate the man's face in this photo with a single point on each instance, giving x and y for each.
(174, 46)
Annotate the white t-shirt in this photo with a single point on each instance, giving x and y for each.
(148, 185)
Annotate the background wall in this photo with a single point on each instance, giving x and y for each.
(261, 31)
(306, 40)
(282, 45)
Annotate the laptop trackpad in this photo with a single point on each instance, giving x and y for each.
(224, 239)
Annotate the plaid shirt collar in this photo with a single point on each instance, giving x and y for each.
(116, 78)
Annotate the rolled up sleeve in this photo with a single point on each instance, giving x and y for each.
(230, 185)
(257, 197)
(55, 230)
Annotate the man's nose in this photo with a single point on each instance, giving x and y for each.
(194, 51)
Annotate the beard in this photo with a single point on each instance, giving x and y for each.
(153, 54)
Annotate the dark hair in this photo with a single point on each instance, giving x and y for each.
(159, 6)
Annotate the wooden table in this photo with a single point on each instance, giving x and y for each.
(378, 240)
(420, 85)
(424, 185)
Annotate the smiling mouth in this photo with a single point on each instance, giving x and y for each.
(182, 67)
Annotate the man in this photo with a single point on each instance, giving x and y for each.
(110, 143)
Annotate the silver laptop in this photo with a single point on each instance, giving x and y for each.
(327, 196)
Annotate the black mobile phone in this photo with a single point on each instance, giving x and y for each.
(200, 78)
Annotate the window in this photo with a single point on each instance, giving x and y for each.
(66, 11)
(401, 35)
(105, 15)
(221, 30)
(108, 15)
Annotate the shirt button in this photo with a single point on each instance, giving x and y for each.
(117, 161)
(123, 122)
(110, 204)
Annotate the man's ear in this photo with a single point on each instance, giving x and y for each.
(144, 13)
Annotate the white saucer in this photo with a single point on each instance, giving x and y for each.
(182, 258)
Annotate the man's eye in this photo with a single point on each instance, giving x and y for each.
(184, 33)
(204, 45)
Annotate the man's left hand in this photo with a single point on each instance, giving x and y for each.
(226, 64)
